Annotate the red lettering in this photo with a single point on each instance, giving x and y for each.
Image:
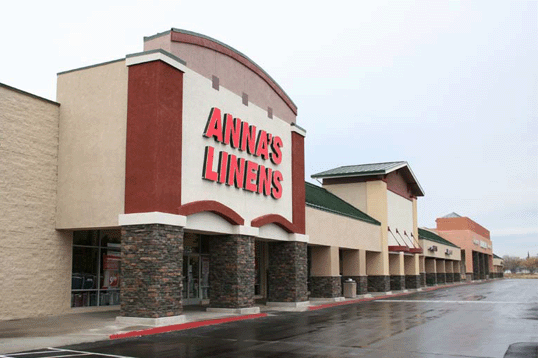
(276, 156)
(262, 149)
(223, 167)
(248, 138)
(236, 172)
(208, 172)
(214, 125)
(250, 176)
(264, 180)
(232, 130)
(276, 192)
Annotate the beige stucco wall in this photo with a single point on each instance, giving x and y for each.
(400, 217)
(325, 261)
(35, 259)
(440, 253)
(376, 207)
(396, 264)
(91, 158)
(354, 193)
(326, 228)
(199, 97)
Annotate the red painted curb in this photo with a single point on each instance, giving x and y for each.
(182, 326)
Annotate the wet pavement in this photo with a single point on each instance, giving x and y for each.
(479, 320)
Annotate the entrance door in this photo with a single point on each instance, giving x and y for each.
(191, 279)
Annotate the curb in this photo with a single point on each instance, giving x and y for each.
(191, 325)
(350, 302)
(183, 326)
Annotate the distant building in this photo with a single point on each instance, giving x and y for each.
(474, 241)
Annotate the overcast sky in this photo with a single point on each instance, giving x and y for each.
(450, 87)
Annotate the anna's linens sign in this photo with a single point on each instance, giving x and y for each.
(231, 169)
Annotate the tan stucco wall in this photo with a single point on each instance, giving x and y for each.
(440, 266)
(412, 264)
(91, 158)
(376, 205)
(353, 262)
(396, 264)
(325, 261)
(355, 194)
(430, 265)
(35, 259)
(440, 253)
(329, 229)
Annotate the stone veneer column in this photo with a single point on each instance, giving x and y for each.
(423, 279)
(287, 273)
(412, 271)
(397, 271)
(231, 277)
(378, 283)
(457, 277)
(325, 279)
(151, 274)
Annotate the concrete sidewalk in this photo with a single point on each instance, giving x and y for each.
(73, 328)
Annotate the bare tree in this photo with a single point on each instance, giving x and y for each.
(512, 263)
(531, 264)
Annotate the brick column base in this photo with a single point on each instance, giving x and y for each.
(151, 271)
(431, 279)
(287, 273)
(231, 277)
(412, 281)
(423, 279)
(362, 283)
(378, 283)
(397, 282)
(441, 277)
(326, 286)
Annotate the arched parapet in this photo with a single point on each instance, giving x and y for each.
(212, 206)
(278, 220)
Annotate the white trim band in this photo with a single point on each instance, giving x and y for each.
(152, 218)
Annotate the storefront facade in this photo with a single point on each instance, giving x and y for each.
(175, 177)
(387, 193)
(475, 243)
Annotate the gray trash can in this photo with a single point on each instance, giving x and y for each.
(350, 289)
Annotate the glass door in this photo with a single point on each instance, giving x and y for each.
(191, 279)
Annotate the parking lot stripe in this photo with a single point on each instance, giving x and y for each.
(90, 353)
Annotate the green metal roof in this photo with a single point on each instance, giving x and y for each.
(497, 257)
(319, 198)
(373, 169)
(361, 170)
(428, 235)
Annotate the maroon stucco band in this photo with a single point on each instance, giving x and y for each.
(416, 250)
(399, 248)
(153, 148)
(214, 207)
(207, 43)
(297, 181)
(274, 219)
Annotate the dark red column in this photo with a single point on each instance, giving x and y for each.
(154, 127)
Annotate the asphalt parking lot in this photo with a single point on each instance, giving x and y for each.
(479, 320)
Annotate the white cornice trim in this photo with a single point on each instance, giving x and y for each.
(152, 218)
(154, 56)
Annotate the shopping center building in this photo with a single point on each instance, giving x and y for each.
(175, 176)
(475, 243)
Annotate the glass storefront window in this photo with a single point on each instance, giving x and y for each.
(95, 279)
